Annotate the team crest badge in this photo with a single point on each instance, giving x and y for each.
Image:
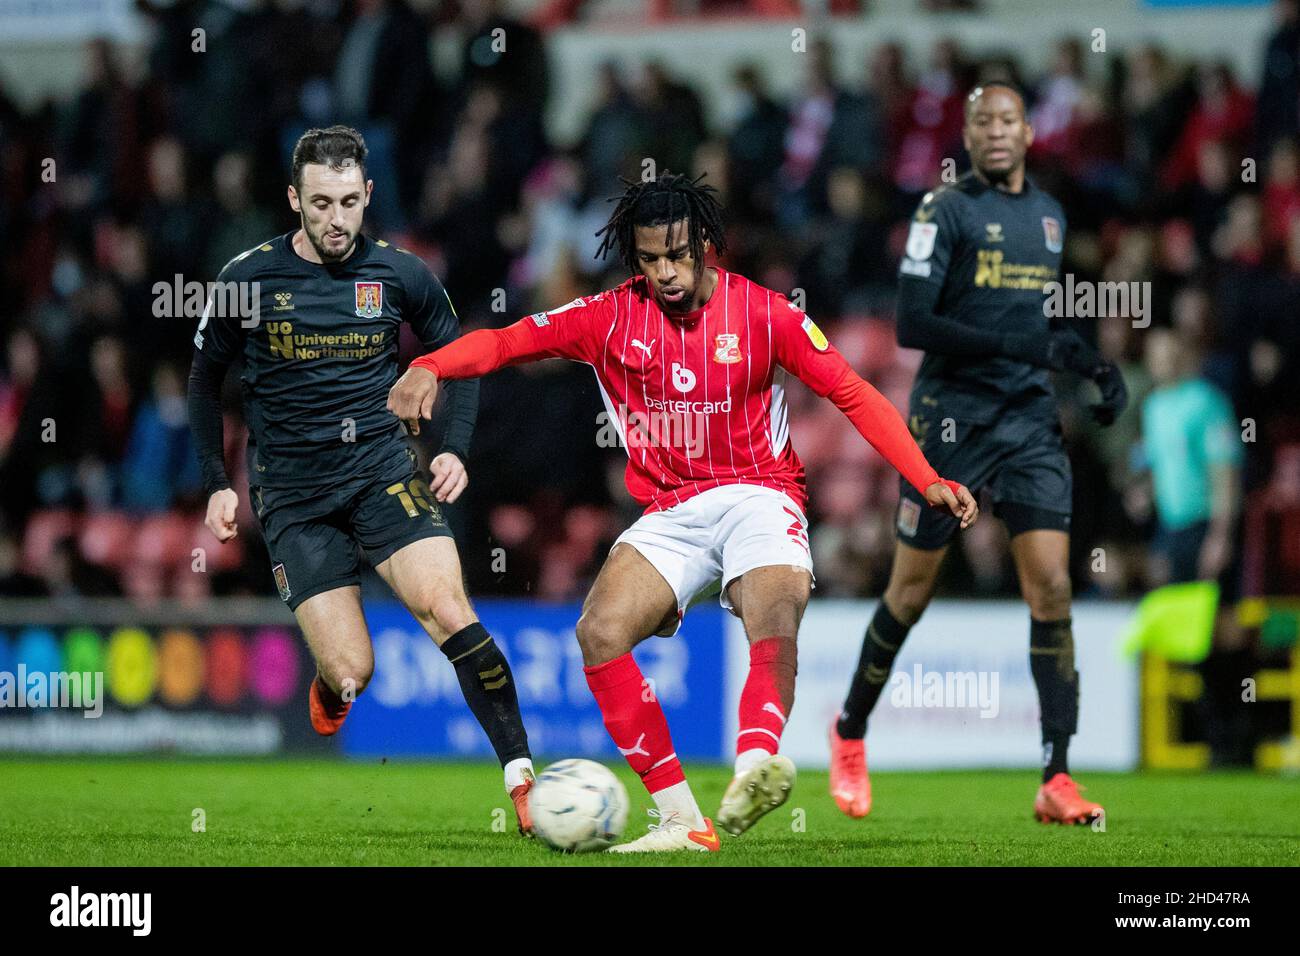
(1052, 234)
(281, 582)
(909, 517)
(370, 299)
(727, 348)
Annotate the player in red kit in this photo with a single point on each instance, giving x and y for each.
(691, 362)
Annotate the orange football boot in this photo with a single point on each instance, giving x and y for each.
(1058, 801)
(850, 784)
(325, 720)
(520, 797)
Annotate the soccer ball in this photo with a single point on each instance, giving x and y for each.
(578, 806)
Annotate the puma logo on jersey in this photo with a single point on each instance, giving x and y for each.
(638, 344)
(636, 748)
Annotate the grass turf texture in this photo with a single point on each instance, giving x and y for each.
(311, 812)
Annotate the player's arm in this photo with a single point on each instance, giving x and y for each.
(933, 242)
(561, 333)
(433, 319)
(216, 344)
(1222, 450)
(803, 350)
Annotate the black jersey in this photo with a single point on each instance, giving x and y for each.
(320, 357)
(990, 253)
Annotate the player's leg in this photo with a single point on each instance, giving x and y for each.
(316, 569)
(405, 537)
(918, 555)
(1032, 494)
(770, 601)
(630, 600)
(1042, 565)
(426, 577)
(762, 536)
(335, 630)
(912, 580)
(959, 449)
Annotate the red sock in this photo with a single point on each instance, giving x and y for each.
(635, 721)
(768, 695)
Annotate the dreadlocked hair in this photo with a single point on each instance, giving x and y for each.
(664, 200)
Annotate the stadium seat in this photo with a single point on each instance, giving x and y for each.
(163, 540)
(106, 538)
(44, 530)
(511, 525)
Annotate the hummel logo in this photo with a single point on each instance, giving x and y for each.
(638, 344)
(634, 749)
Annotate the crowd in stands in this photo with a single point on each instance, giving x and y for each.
(1175, 173)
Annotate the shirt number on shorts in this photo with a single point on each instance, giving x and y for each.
(414, 497)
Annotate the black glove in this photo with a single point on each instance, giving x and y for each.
(1114, 395)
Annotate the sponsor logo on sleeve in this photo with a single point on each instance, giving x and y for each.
(1052, 234)
(910, 267)
(540, 320)
(815, 335)
(920, 240)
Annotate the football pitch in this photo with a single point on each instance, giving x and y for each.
(313, 812)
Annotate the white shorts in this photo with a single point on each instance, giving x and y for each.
(703, 544)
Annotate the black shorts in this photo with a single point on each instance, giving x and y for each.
(1182, 549)
(1018, 457)
(316, 541)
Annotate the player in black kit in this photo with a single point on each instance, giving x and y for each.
(330, 472)
(971, 295)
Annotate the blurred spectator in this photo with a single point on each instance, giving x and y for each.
(160, 464)
(1223, 114)
(846, 250)
(381, 79)
(1155, 103)
(615, 140)
(175, 223)
(182, 165)
(1058, 100)
(755, 146)
(829, 127)
(935, 117)
(241, 224)
(14, 581)
(1191, 444)
(1278, 114)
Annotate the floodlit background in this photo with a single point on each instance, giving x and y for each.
(139, 142)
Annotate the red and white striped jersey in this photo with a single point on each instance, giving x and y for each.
(698, 400)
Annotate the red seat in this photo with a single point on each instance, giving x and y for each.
(44, 529)
(163, 540)
(106, 539)
(881, 344)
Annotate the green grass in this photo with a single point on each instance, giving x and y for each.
(313, 812)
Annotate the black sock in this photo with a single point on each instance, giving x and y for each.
(885, 635)
(489, 689)
(1051, 661)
